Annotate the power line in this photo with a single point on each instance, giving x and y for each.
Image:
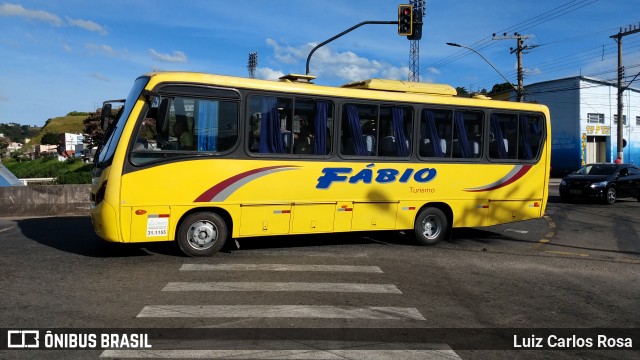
(524, 25)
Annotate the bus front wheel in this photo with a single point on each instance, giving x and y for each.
(202, 234)
(431, 226)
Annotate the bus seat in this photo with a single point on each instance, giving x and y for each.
(388, 146)
(369, 142)
(443, 146)
(476, 148)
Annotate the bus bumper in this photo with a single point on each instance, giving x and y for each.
(103, 218)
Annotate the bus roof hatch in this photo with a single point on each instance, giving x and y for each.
(298, 78)
(403, 86)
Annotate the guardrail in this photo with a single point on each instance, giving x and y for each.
(39, 181)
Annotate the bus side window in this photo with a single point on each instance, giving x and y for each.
(395, 131)
(359, 130)
(435, 133)
(468, 130)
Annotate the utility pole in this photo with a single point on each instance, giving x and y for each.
(618, 38)
(419, 9)
(520, 48)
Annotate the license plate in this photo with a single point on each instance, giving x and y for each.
(576, 192)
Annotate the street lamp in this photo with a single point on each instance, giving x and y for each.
(488, 62)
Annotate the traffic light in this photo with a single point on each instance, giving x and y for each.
(416, 27)
(405, 20)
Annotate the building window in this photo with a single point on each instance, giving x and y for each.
(595, 118)
(638, 120)
(624, 119)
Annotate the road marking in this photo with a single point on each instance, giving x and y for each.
(6, 229)
(279, 267)
(284, 354)
(280, 311)
(518, 231)
(306, 253)
(283, 286)
(566, 253)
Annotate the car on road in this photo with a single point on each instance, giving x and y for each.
(605, 182)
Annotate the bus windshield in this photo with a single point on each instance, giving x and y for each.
(109, 145)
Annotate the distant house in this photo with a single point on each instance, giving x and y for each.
(43, 150)
(584, 121)
(71, 145)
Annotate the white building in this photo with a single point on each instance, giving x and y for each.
(584, 121)
(71, 145)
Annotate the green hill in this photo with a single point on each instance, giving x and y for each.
(60, 125)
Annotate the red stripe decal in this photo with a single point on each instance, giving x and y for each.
(511, 180)
(216, 189)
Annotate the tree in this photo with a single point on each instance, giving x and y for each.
(498, 88)
(50, 139)
(462, 91)
(93, 129)
(4, 143)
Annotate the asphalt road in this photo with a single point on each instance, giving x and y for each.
(358, 295)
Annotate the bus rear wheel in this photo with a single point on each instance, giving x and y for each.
(431, 226)
(202, 234)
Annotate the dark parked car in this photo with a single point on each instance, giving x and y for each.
(605, 182)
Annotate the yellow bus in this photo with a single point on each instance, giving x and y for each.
(201, 158)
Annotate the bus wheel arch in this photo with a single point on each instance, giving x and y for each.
(433, 223)
(203, 231)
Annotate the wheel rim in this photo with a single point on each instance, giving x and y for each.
(431, 227)
(611, 196)
(202, 235)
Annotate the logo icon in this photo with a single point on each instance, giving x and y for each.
(23, 339)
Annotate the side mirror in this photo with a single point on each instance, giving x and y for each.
(105, 115)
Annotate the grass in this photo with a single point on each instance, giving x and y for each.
(71, 171)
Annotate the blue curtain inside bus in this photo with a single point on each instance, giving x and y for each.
(270, 137)
(357, 137)
(499, 138)
(524, 135)
(397, 117)
(430, 119)
(207, 125)
(320, 127)
(463, 141)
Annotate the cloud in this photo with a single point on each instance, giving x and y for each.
(88, 25)
(39, 15)
(103, 49)
(175, 57)
(433, 70)
(53, 19)
(347, 65)
(268, 74)
(99, 77)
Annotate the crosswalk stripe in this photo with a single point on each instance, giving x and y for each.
(283, 286)
(280, 311)
(284, 354)
(280, 267)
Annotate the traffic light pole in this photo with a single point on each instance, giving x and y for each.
(346, 32)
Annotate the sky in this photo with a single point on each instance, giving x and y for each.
(70, 55)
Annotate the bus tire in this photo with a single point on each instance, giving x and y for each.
(431, 226)
(202, 234)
